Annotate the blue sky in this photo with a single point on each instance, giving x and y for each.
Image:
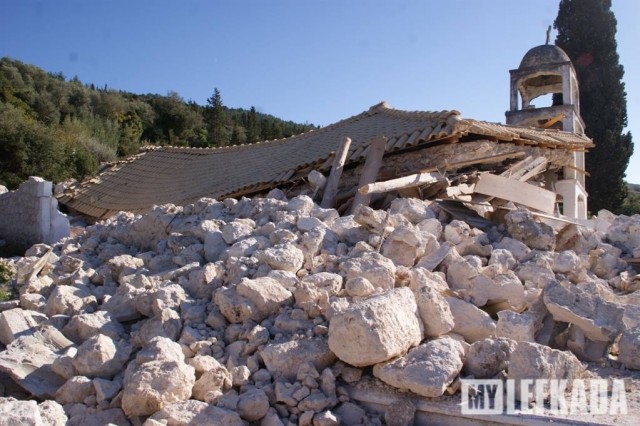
(308, 61)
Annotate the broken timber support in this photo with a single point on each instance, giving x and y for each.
(401, 183)
(516, 191)
(370, 171)
(331, 190)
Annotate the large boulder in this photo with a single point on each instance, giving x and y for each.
(486, 358)
(426, 370)
(534, 361)
(101, 356)
(18, 322)
(266, 294)
(28, 360)
(373, 266)
(536, 235)
(284, 358)
(191, 412)
(598, 319)
(81, 327)
(376, 329)
(149, 387)
(469, 321)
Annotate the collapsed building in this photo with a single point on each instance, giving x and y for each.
(216, 289)
(551, 141)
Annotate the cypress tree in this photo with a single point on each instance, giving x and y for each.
(586, 31)
(216, 119)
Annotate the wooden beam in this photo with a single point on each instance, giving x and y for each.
(331, 190)
(400, 183)
(492, 159)
(370, 170)
(553, 121)
(516, 191)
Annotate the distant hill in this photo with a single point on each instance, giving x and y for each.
(631, 204)
(58, 128)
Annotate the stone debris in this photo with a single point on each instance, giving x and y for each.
(268, 311)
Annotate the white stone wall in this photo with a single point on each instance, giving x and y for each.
(30, 215)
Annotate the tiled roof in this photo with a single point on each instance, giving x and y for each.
(161, 175)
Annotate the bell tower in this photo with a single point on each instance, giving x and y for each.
(545, 70)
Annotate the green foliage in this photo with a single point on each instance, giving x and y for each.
(7, 273)
(631, 204)
(586, 31)
(59, 129)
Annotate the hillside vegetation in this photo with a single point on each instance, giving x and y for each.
(58, 128)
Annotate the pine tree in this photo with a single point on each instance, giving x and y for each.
(586, 31)
(216, 120)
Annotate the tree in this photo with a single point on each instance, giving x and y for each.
(586, 31)
(253, 127)
(216, 120)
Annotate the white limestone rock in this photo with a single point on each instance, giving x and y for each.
(28, 360)
(376, 329)
(52, 413)
(348, 230)
(457, 232)
(488, 357)
(598, 319)
(70, 300)
(434, 311)
(351, 414)
(150, 386)
(214, 246)
(284, 358)
(215, 380)
(379, 270)
(235, 308)
(517, 248)
(470, 322)
(110, 416)
(426, 370)
(534, 361)
(81, 327)
(76, 389)
(624, 232)
(191, 412)
(536, 235)
(502, 288)
(329, 281)
(359, 287)
(18, 322)
(629, 347)
(404, 246)
(253, 405)
(166, 324)
(285, 257)
(101, 356)
(521, 327)
(414, 209)
(266, 294)
(239, 228)
(15, 412)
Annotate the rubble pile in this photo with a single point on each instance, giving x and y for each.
(267, 310)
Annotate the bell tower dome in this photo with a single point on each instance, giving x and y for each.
(545, 70)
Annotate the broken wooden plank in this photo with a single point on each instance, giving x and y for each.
(331, 190)
(370, 170)
(410, 181)
(516, 191)
(492, 159)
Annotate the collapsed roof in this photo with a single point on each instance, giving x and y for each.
(160, 175)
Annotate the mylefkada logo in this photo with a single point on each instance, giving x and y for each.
(551, 396)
